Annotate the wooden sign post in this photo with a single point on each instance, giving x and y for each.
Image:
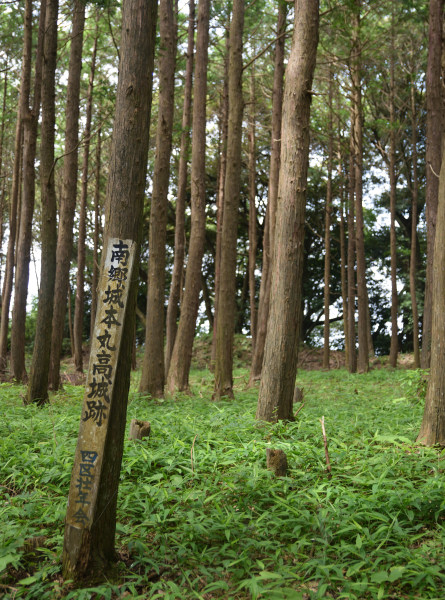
(89, 457)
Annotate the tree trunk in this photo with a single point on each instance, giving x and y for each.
(362, 303)
(327, 229)
(88, 551)
(178, 374)
(352, 364)
(69, 193)
(232, 186)
(432, 430)
(252, 212)
(394, 349)
(30, 118)
(434, 127)
(97, 210)
(38, 378)
(274, 170)
(343, 275)
(178, 262)
(281, 348)
(80, 276)
(223, 130)
(10, 255)
(153, 376)
(414, 218)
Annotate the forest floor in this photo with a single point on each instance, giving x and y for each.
(200, 516)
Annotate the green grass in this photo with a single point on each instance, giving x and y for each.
(220, 525)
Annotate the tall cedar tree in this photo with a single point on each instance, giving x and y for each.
(394, 348)
(178, 374)
(178, 261)
(80, 275)
(414, 220)
(69, 192)
(153, 377)
(327, 225)
(362, 295)
(283, 332)
(222, 163)
(232, 187)
(274, 170)
(432, 430)
(434, 126)
(38, 378)
(252, 209)
(30, 119)
(123, 218)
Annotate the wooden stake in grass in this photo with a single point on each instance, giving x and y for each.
(192, 454)
(326, 453)
(87, 477)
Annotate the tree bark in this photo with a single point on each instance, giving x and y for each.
(352, 364)
(24, 238)
(327, 228)
(38, 379)
(362, 303)
(394, 348)
(226, 296)
(274, 170)
(97, 230)
(80, 276)
(153, 376)
(69, 193)
(434, 128)
(88, 552)
(252, 212)
(343, 275)
(281, 348)
(15, 191)
(223, 129)
(178, 374)
(178, 261)
(414, 218)
(432, 430)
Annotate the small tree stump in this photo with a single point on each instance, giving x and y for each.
(139, 429)
(276, 461)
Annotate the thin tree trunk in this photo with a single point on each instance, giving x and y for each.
(38, 378)
(434, 128)
(362, 329)
(252, 212)
(10, 255)
(224, 124)
(343, 259)
(327, 229)
(178, 375)
(153, 376)
(232, 186)
(394, 349)
(80, 276)
(178, 262)
(352, 364)
(24, 240)
(274, 170)
(97, 210)
(281, 348)
(70, 322)
(414, 217)
(69, 193)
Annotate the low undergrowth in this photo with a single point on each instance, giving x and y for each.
(199, 516)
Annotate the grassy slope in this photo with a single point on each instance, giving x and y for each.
(221, 526)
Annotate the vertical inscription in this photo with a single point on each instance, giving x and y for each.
(112, 299)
